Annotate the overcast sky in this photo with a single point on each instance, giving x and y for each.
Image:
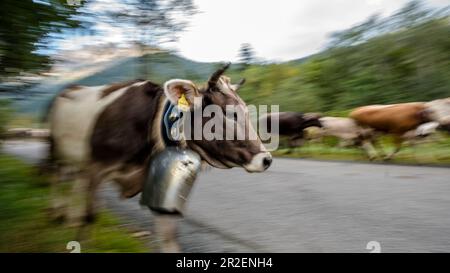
(278, 30)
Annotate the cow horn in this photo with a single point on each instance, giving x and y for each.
(216, 75)
(239, 84)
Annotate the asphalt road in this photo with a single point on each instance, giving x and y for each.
(306, 206)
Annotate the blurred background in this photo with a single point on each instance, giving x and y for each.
(310, 56)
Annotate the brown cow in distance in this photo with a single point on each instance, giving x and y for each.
(397, 119)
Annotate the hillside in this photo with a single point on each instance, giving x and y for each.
(157, 67)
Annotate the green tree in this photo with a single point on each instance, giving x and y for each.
(25, 27)
(246, 54)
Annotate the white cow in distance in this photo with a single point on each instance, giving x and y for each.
(345, 129)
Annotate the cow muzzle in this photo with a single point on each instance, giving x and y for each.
(171, 176)
(259, 163)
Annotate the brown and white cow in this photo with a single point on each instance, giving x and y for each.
(398, 119)
(291, 125)
(110, 132)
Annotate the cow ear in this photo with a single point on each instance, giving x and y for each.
(183, 93)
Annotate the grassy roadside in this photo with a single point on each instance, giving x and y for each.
(25, 227)
(432, 153)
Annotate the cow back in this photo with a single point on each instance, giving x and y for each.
(395, 118)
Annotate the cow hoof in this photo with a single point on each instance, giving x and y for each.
(59, 219)
(57, 216)
(90, 218)
(76, 221)
(141, 234)
(79, 221)
(171, 247)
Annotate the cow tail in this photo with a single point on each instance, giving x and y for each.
(48, 164)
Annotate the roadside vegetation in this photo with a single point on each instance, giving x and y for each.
(434, 152)
(24, 202)
(26, 227)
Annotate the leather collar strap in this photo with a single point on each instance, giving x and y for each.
(171, 115)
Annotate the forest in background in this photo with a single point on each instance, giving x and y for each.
(404, 57)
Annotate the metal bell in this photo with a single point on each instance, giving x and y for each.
(172, 174)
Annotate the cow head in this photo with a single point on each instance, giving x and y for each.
(439, 111)
(220, 128)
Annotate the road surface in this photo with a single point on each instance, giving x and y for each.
(305, 206)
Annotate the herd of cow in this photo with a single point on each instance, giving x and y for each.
(112, 132)
(404, 121)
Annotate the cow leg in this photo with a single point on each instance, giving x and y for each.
(345, 142)
(94, 176)
(97, 174)
(58, 206)
(130, 180)
(78, 200)
(166, 232)
(369, 148)
(378, 147)
(296, 141)
(60, 193)
(398, 140)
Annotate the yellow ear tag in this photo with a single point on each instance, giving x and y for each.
(183, 104)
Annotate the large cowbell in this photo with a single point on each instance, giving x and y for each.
(172, 174)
